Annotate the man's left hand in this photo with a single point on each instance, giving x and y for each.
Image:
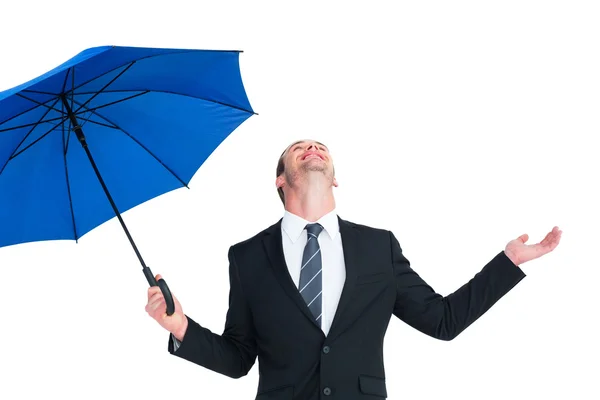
(519, 252)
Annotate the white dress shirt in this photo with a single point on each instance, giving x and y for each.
(294, 238)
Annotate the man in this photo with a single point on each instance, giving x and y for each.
(312, 295)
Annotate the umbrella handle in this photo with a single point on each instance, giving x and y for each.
(163, 288)
(168, 297)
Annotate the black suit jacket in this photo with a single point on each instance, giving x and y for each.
(268, 319)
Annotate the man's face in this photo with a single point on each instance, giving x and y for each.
(305, 157)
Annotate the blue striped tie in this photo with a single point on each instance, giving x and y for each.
(310, 273)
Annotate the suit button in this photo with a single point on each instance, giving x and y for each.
(326, 349)
(327, 391)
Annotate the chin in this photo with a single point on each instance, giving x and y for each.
(315, 167)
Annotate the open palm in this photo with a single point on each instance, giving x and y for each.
(519, 252)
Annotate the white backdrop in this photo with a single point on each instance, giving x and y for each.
(457, 125)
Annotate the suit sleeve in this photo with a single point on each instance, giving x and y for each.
(445, 317)
(234, 352)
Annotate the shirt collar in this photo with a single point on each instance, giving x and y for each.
(293, 225)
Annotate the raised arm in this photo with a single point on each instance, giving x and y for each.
(445, 317)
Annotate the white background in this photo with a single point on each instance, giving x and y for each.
(457, 125)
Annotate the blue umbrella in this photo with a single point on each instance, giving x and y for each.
(151, 117)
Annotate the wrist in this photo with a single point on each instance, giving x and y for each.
(511, 257)
(180, 332)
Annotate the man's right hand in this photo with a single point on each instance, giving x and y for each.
(157, 308)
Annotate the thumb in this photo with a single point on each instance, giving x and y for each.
(158, 277)
(523, 238)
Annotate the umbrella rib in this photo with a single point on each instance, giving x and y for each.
(38, 92)
(31, 124)
(65, 82)
(50, 93)
(97, 123)
(65, 143)
(36, 140)
(72, 95)
(141, 145)
(108, 104)
(39, 103)
(22, 113)
(114, 69)
(68, 182)
(63, 103)
(24, 138)
(210, 101)
(174, 93)
(73, 88)
(103, 88)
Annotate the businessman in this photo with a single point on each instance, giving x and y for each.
(312, 295)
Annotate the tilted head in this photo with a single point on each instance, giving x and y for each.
(300, 159)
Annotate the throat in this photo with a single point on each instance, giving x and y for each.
(311, 205)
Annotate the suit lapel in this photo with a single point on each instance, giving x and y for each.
(350, 243)
(274, 248)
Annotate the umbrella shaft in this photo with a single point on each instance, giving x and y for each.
(83, 142)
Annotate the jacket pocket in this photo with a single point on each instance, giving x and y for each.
(285, 392)
(372, 385)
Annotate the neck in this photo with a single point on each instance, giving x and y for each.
(310, 201)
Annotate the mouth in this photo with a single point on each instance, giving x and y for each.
(309, 155)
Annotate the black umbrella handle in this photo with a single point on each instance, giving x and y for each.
(163, 288)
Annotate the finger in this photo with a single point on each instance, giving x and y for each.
(551, 239)
(549, 243)
(157, 304)
(155, 299)
(556, 239)
(555, 233)
(547, 238)
(158, 277)
(523, 238)
(151, 305)
(152, 291)
(158, 309)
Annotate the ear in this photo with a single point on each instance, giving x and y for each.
(280, 181)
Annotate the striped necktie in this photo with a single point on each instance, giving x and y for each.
(310, 273)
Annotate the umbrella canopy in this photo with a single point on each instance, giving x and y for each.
(151, 117)
(107, 130)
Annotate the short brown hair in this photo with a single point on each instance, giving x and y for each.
(281, 170)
